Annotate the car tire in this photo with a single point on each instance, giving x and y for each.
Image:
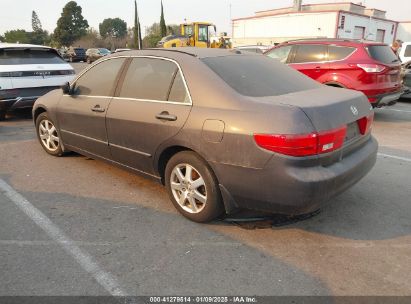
(196, 196)
(70, 59)
(2, 115)
(48, 135)
(88, 60)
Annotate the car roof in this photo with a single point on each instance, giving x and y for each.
(181, 51)
(22, 46)
(343, 42)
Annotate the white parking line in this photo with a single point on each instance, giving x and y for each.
(395, 157)
(86, 261)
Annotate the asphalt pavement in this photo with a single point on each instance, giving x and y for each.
(76, 226)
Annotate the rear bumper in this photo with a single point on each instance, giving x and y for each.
(25, 99)
(387, 99)
(287, 188)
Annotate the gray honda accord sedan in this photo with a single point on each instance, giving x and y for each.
(222, 130)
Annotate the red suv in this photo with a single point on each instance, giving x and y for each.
(369, 67)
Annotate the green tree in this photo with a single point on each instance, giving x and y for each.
(35, 22)
(114, 28)
(71, 25)
(14, 36)
(138, 44)
(1, 38)
(153, 34)
(163, 27)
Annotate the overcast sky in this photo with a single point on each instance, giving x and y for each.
(16, 14)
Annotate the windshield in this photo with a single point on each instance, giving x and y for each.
(259, 76)
(104, 51)
(382, 53)
(29, 56)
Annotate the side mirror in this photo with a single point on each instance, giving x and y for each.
(66, 88)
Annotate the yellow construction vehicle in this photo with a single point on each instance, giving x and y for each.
(196, 34)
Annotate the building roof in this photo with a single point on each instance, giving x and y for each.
(336, 7)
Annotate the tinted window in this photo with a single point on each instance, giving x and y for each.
(178, 90)
(339, 52)
(148, 78)
(100, 79)
(258, 76)
(14, 57)
(382, 53)
(310, 53)
(407, 52)
(280, 53)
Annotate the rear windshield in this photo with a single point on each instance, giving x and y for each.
(259, 76)
(382, 53)
(28, 56)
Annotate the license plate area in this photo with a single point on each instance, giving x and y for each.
(353, 132)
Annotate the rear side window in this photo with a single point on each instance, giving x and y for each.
(310, 53)
(382, 53)
(258, 76)
(280, 53)
(178, 91)
(100, 79)
(407, 52)
(148, 78)
(339, 52)
(29, 56)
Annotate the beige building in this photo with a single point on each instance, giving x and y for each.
(404, 31)
(329, 20)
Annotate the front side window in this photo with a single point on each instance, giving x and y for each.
(100, 79)
(149, 79)
(280, 53)
(310, 53)
(407, 52)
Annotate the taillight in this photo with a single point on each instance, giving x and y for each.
(365, 123)
(372, 68)
(303, 144)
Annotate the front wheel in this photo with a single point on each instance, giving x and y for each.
(193, 188)
(48, 135)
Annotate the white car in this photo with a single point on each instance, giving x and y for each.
(28, 72)
(405, 52)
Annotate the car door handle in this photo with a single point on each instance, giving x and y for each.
(166, 116)
(98, 109)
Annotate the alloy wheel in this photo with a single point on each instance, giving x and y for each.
(188, 188)
(48, 135)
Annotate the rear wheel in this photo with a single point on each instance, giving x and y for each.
(192, 187)
(48, 135)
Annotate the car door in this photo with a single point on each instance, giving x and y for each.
(150, 106)
(310, 59)
(82, 114)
